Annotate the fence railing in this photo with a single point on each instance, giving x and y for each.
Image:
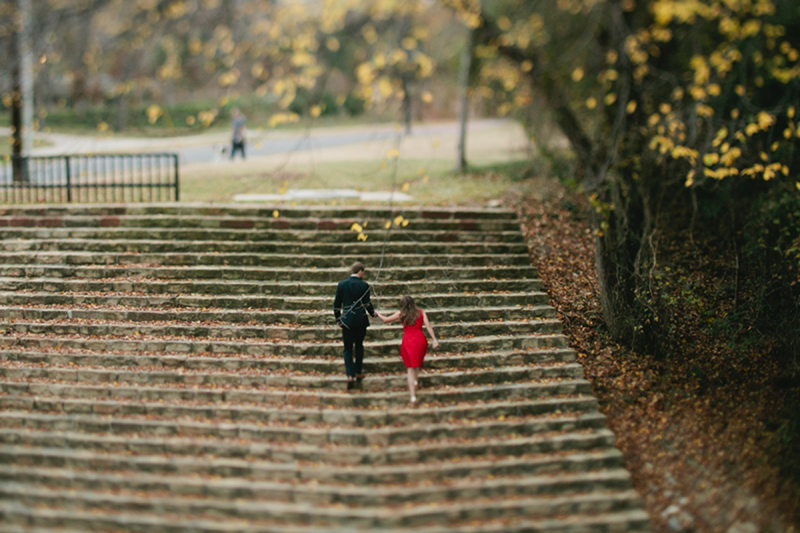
(89, 178)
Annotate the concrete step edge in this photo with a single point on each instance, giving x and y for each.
(100, 461)
(167, 360)
(366, 418)
(429, 451)
(558, 387)
(259, 289)
(261, 347)
(312, 298)
(313, 510)
(428, 380)
(131, 480)
(306, 318)
(338, 434)
(447, 331)
(633, 521)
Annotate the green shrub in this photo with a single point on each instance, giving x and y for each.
(353, 105)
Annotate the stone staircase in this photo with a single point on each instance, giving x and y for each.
(170, 367)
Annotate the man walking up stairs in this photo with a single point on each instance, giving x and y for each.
(351, 307)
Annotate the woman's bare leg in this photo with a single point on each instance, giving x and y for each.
(412, 388)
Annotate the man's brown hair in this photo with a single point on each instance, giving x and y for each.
(357, 267)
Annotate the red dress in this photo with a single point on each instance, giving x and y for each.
(414, 345)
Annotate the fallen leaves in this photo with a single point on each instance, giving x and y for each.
(691, 427)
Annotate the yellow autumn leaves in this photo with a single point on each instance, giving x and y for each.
(360, 229)
(722, 159)
(379, 77)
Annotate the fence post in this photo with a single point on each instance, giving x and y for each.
(175, 159)
(69, 181)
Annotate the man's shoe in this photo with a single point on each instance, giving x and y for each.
(359, 377)
(351, 384)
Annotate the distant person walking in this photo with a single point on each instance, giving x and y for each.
(351, 307)
(238, 126)
(414, 345)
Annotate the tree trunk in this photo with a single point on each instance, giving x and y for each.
(625, 255)
(228, 14)
(463, 100)
(17, 163)
(25, 61)
(619, 249)
(121, 121)
(613, 265)
(406, 103)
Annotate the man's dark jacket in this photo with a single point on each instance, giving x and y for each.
(352, 304)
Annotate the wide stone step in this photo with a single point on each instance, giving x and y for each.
(372, 364)
(358, 248)
(302, 416)
(256, 211)
(308, 236)
(421, 452)
(287, 378)
(222, 330)
(211, 258)
(261, 293)
(294, 275)
(264, 432)
(352, 496)
(406, 474)
(41, 519)
(279, 514)
(302, 318)
(276, 306)
(19, 518)
(230, 394)
(398, 223)
(257, 347)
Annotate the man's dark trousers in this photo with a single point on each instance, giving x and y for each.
(353, 345)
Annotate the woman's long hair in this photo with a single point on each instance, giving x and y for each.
(409, 313)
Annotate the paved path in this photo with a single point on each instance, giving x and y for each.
(206, 148)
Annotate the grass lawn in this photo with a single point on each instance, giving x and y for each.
(429, 182)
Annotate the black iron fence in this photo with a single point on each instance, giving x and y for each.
(89, 178)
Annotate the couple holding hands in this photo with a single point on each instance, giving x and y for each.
(351, 307)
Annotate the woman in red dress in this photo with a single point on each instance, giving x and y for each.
(414, 345)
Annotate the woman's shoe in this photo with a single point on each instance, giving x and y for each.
(413, 400)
